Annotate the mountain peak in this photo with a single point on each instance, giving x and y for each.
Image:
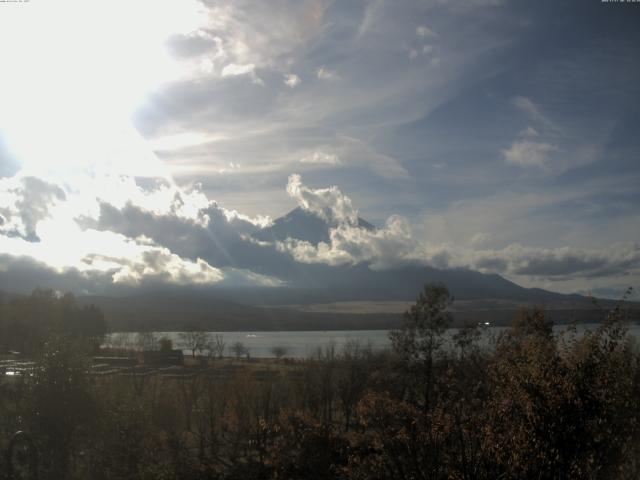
(301, 225)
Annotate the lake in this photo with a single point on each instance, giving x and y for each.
(300, 344)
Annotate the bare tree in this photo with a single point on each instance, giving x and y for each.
(217, 345)
(279, 351)
(239, 349)
(147, 341)
(121, 341)
(195, 340)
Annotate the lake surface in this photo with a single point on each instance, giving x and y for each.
(306, 343)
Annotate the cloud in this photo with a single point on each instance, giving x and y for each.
(423, 31)
(479, 239)
(244, 32)
(397, 244)
(25, 201)
(131, 231)
(389, 247)
(536, 145)
(321, 158)
(235, 70)
(107, 255)
(427, 51)
(528, 153)
(353, 151)
(159, 265)
(468, 5)
(197, 231)
(324, 73)
(389, 121)
(559, 263)
(246, 278)
(137, 232)
(329, 204)
(151, 269)
(292, 80)
(534, 113)
(527, 106)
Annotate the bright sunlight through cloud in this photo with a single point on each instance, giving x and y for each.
(66, 101)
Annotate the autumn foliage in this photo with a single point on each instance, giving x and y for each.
(527, 403)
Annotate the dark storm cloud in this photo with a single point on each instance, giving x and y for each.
(222, 242)
(561, 263)
(23, 274)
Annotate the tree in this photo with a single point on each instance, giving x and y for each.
(62, 400)
(420, 338)
(217, 345)
(28, 321)
(121, 341)
(567, 409)
(147, 341)
(466, 337)
(195, 340)
(352, 377)
(279, 351)
(239, 349)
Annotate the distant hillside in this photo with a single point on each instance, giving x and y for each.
(167, 311)
(222, 310)
(317, 283)
(298, 303)
(175, 311)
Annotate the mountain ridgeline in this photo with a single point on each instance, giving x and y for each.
(324, 283)
(313, 296)
(298, 303)
(301, 225)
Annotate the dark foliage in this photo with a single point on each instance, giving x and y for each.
(531, 404)
(27, 322)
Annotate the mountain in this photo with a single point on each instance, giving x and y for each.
(312, 296)
(301, 225)
(318, 283)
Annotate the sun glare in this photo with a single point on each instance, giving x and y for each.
(75, 71)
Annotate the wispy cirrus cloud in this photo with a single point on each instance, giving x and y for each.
(321, 158)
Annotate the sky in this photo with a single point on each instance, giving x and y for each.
(145, 141)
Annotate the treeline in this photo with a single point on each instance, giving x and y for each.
(532, 405)
(27, 322)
